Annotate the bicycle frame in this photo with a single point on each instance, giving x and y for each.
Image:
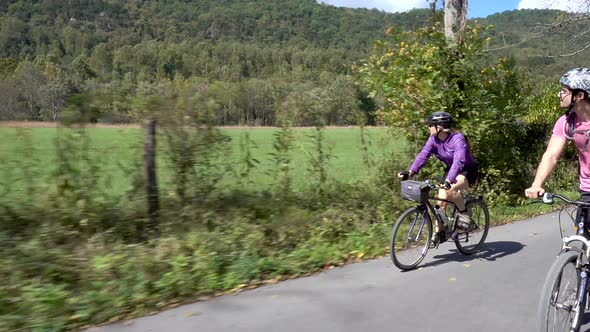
(433, 210)
(427, 206)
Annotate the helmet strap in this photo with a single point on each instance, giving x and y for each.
(569, 109)
(571, 118)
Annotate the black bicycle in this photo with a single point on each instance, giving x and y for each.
(564, 296)
(412, 234)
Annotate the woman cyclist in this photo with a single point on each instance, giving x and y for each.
(452, 149)
(573, 126)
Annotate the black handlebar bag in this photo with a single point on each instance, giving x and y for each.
(415, 191)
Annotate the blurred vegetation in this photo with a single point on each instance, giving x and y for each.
(73, 254)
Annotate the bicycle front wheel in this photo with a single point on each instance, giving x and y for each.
(559, 307)
(469, 242)
(410, 238)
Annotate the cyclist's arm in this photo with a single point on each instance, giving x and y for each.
(422, 157)
(550, 158)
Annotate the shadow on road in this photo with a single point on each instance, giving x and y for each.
(490, 251)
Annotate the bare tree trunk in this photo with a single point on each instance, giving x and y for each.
(455, 19)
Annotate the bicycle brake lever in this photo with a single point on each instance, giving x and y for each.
(548, 198)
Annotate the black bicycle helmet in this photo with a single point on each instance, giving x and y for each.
(440, 118)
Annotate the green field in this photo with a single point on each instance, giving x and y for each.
(28, 157)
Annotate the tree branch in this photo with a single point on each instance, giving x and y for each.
(566, 55)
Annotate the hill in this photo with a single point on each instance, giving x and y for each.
(539, 40)
(255, 56)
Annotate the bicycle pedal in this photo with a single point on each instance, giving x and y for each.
(439, 238)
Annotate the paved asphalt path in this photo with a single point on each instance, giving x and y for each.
(494, 290)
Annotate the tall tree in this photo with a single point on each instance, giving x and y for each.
(29, 79)
(455, 19)
(55, 90)
(8, 100)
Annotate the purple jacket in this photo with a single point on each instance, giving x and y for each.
(453, 151)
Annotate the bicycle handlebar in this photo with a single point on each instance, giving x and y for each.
(548, 198)
(431, 185)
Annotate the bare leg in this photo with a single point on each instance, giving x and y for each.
(454, 194)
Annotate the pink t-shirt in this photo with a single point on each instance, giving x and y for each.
(580, 139)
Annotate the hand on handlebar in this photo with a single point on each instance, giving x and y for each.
(404, 175)
(534, 192)
(446, 185)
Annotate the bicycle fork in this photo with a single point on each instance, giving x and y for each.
(409, 237)
(582, 301)
(581, 304)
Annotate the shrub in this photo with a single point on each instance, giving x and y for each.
(415, 73)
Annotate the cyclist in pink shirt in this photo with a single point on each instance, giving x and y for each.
(573, 126)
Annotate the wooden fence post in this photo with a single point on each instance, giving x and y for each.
(149, 157)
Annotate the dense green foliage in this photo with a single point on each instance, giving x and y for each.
(259, 56)
(417, 72)
(545, 42)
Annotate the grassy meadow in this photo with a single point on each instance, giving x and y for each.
(30, 154)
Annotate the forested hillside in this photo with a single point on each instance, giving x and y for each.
(541, 41)
(260, 61)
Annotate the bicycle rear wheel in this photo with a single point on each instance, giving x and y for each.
(559, 304)
(410, 238)
(469, 242)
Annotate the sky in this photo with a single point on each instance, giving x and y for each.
(475, 8)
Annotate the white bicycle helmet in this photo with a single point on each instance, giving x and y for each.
(577, 79)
